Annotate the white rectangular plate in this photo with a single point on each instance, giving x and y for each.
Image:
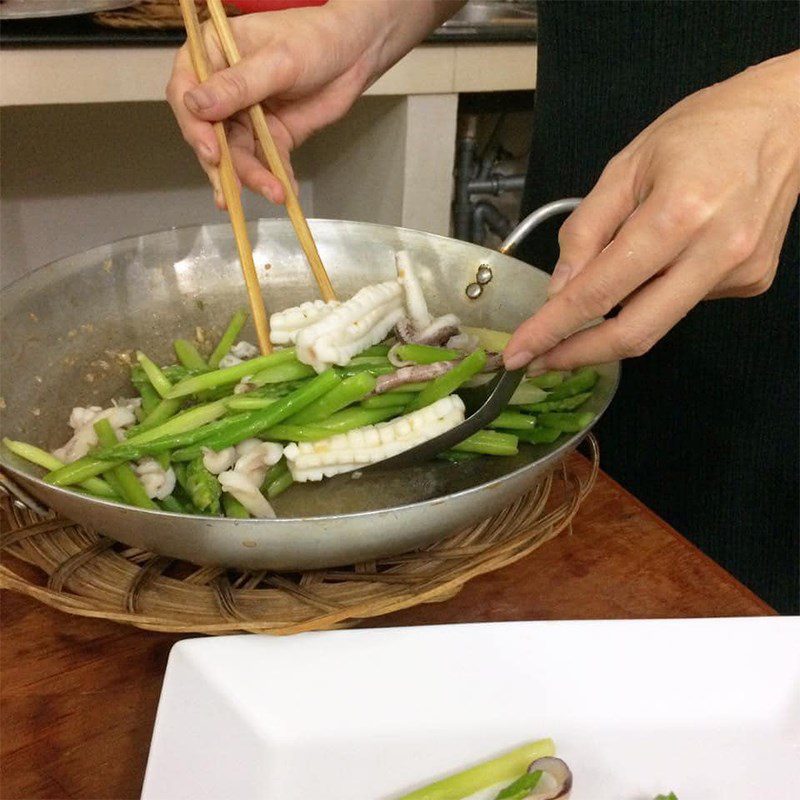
(709, 709)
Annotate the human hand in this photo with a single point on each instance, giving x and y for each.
(307, 66)
(697, 206)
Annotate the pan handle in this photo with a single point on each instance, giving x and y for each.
(534, 219)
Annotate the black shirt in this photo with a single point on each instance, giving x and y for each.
(704, 428)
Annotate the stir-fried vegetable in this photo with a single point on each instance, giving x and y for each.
(508, 767)
(230, 431)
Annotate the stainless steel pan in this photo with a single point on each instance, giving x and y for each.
(67, 326)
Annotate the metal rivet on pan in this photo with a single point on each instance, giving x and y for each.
(484, 274)
(474, 291)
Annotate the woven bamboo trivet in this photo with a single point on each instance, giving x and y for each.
(88, 574)
(153, 15)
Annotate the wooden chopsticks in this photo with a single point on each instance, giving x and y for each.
(230, 186)
(273, 157)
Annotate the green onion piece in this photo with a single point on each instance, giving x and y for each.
(227, 339)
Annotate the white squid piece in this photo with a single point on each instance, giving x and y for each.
(219, 461)
(345, 452)
(284, 326)
(422, 321)
(241, 351)
(158, 482)
(81, 420)
(252, 460)
(358, 323)
(247, 493)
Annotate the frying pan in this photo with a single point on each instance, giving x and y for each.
(68, 329)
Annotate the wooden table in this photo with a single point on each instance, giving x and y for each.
(78, 696)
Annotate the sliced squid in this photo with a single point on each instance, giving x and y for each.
(284, 326)
(420, 327)
(345, 452)
(81, 420)
(251, 460)
(158, 482)
(358, 323)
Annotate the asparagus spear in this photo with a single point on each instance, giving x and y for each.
(491, 443)
(227, 339)
(567, 404)
(539, 435)
(132, 490)
(446, 384)
(425, 354)
(203, 487)
(513, 420)
(157, 378)
(188, 355)
(582, 381)
(277, 480)
(233, 508)
(388, 399)
(349, 391)
(259, 421)
(92, 465)
(42, 458)
(568, 422)
(228, 375)
(507, 767)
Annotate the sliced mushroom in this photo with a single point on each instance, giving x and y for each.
(558, 773)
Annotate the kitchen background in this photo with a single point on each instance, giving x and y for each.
(91, 153)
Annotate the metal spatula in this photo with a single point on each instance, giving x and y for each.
(483, 405)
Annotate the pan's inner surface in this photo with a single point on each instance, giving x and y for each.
(68, 329)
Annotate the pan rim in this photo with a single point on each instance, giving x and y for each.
(538, 465)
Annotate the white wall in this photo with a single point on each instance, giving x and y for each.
(77, 176)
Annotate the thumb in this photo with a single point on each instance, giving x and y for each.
(240, 86)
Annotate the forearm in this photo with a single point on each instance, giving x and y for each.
(388, 29)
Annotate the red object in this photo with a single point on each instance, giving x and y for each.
(251, 6)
